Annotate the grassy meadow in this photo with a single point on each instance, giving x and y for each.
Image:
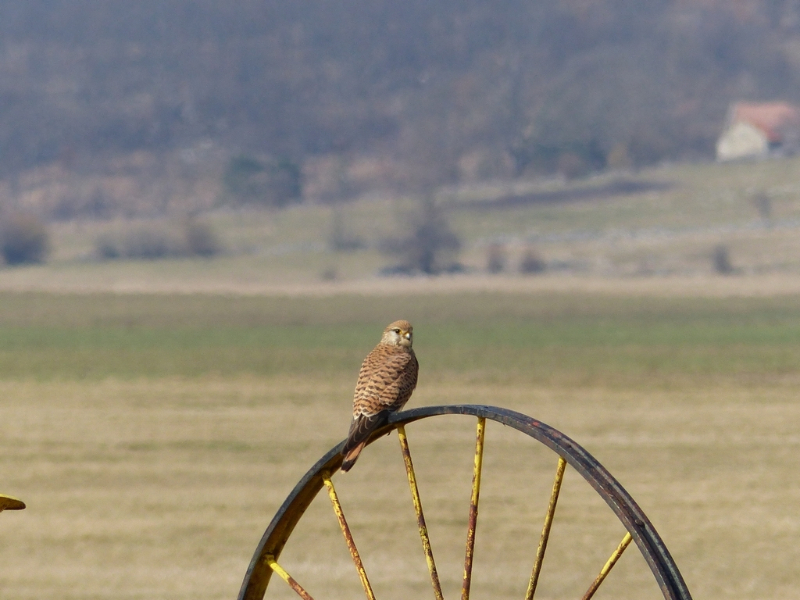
(154, 436)
(668, 223)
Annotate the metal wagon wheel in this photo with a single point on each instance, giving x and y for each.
(638, 526)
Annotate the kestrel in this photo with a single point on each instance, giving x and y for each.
(388, 376)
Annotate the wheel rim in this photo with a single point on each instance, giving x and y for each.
(639, 528)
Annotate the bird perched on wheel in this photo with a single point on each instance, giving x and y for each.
(387, 378)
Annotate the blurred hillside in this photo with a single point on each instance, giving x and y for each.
(144, 95)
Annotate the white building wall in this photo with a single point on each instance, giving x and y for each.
(742, 140)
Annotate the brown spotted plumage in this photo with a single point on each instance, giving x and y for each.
(387, 378)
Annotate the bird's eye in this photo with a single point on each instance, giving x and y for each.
(397, 331)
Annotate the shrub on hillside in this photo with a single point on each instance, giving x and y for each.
(151, 242)
(157, 240)
(23, 239)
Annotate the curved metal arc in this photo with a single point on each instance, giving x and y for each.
(283, 523)
(621, 503)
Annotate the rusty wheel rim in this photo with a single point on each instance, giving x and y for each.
(638, 527)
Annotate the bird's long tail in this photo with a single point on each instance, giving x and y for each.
(351, 457)
(360, 431)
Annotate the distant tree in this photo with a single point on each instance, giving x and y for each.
(422, 83)
(532, 262)
(23, 239)
(496, 258)
(107, 247)
(329, 273)
(721, 259)
(763, 204)
(273, 183)
(201, 239)
(431, 246)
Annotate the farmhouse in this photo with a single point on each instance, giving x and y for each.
(758, 129)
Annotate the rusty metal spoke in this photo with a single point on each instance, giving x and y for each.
(473, 508)
(548, 522)
(635, 521)
(423, 528)
(608, 566)
(288, 578)
(348, 536)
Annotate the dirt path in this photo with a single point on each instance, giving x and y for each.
(689, 286)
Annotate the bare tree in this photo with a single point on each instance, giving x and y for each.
(24, 238)
(431, 246)
(496, 258)
(721, 258)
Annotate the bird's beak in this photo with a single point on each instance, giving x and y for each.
(407, 335)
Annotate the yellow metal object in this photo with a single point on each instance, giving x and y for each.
(348, 537)
(287, 578)
(473, 508)
(608, 566)
(548, 522)
(10, 503)
(423, 528)
(663, 567)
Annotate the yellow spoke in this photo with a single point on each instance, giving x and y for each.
(423, 528)
(608, 566)
(473, 508)
(548, 522)
(288, 578)
(348, 537)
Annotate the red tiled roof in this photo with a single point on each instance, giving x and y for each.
(773, 118)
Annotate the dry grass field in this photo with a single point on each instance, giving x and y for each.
(154, 436)
(155, 414)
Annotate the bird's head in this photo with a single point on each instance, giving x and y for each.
(399, 333)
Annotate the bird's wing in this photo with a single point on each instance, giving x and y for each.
(362, 427)
(384, 382)
(399, 390)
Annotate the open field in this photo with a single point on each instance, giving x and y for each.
(657, 223)
(153, 437)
